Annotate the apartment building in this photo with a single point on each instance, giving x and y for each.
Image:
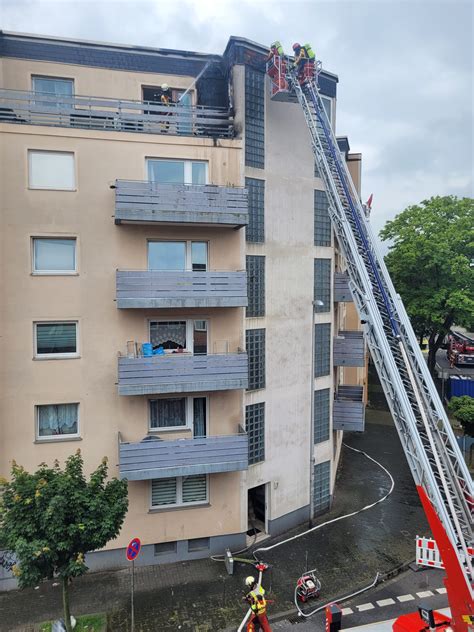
(172, 293)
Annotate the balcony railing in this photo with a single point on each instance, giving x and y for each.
(157, 458)
(160, 288)
(123, 115)
(182, 373)
(349, 349)
(349, 409)
(145, 201)
(342, 292)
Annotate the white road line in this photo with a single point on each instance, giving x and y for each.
(365, 606)
(441, 591)
(425, 593)
(385, 602)
(347, 611)
(403, 598)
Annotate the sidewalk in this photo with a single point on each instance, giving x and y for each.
(199, 596)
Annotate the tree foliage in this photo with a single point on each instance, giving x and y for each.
(463, 410)
(429, 259)
(52, 518)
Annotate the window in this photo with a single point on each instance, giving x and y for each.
(321, 415)
(255, 230)
(177, 255)
(53, 340)
(198, 544)
(175, 335)
(327, 104)
(57, 421)
(254, 118)
(322, 349)
(322, 285)
(165, 548)
(177, 171)
(180, 491)
(322, 220)
(255, 285)
(255, 343)
(255, 427)
(51, 170)
(54, 256)
(321, 487)
(53, 87)
(179, 413)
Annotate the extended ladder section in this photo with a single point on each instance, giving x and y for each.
(425, 432)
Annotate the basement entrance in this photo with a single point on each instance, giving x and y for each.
(257, 513)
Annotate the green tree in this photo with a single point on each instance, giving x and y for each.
(463, 410)
(429, 259)
(52, 518)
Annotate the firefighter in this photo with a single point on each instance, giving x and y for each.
(276, 50)
(276, 66)
(165, 99)
(303, 55)
(258, 604)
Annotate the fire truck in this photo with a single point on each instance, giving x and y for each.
(441, 476)
(460, 350)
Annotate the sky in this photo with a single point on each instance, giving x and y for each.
(405, 67)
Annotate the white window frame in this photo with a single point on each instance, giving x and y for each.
(53, 78)
(179, 495)
(48, 438)
(189, 412)
(188, 254)
(31, 152)
(54, 356)
(331, 106)
(188, 169)
(189, 330)
(36, 272)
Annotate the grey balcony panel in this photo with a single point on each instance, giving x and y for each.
(350, 392)
(155, 288)
(342, 292)
(119, 115)
(183, 457)
(145, 201)
(349, 349)
(182, 373)
(348, 415)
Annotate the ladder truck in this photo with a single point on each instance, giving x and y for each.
(440, 473)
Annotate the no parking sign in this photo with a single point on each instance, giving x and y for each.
(133, 549)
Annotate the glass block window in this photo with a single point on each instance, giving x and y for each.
(255, 344)
(322, 221)
(255, 427)
(321, 487)
(255, 285)
(321, 415)
(255, 231)
(322, 349)
(254, 118)
(322, 285)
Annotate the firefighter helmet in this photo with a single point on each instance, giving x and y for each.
(249, 581)
(165, 87)
(296, 46)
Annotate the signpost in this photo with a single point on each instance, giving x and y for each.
(133, 549)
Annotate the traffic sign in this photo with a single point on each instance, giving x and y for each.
(133, 549)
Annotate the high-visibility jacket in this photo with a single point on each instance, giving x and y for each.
(309, 52)
(256, 598)
(277, 47)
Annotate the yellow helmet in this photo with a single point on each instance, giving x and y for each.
(249, 581)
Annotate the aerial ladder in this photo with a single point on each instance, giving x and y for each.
(440, 473)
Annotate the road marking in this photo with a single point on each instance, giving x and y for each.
(403, 598)
(385, 602)
(424, 594)
(345, 611)
(441, 591)
(365, 606)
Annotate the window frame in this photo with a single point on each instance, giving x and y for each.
(49, 438)
(32, 187)
(35, 272)
(188, 410)
(188, 170)
(175, 93)
(179, 495)
(55, 356)
(189, 348)
(331, 108)
(188, 255)
(53, 106)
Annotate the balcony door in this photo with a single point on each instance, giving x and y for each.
(178, 336)
(177, 255)
(177, 171)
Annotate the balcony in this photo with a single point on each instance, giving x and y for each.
(349, 409)
(118, 115)
(182, 373)
(342, 292)
(156, 458)
(349, 349)
(208, 204)
(144, 289)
